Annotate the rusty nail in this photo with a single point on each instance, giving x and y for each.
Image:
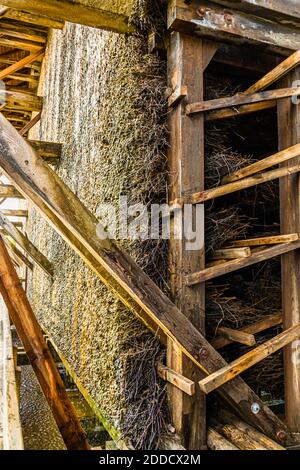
(228, 19)
(281, 436)
(201, 12)
(203, 353)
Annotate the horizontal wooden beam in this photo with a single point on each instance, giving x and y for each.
(103, 15)
(49, 151)
(208, 20)
(21, 64)
(231, 253)
(282, 11)
(276, 159)
(184, 384)
(269, 322)
(14, 212)
(244, 110)
(234, 265)
(21, 239)
(27, 100)
(241, 99)
(249, 359)
(38, 20)
(82, 231)
(237, 336)
(262, 241)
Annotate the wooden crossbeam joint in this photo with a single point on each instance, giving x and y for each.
(184, 384)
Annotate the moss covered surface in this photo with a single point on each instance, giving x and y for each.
(104, 100)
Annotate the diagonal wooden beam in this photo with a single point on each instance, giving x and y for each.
(231, 266)
(81, 230)
(10, 230)
(19, 255)
(31, 124)
(21, 64)
(9, 191)
(249, 359)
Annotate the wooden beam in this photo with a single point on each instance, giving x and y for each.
(32, 19)
(241, 99)
(186, 59)
(49, 151)
(28, 100)
(237, 367)
(20, 256)
(280, 157)
(237, 336)
(245, 183)
(262, 241)
(289, 134)
(81, 230)
(231, 253)
(39, 354)
(30, 124)
(21, 64)
(269, 322)
(208, 20)
(234, 265)
(282, 11)
(216, 441)
(9, 191)
(105, 16)
(244, 110)
(26, 245)
(177, 380)
(14, 212)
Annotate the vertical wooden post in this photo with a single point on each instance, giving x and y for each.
(289, 134)
(186, 63)
(39, 355)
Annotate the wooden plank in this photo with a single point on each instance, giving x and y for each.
(289, 134)
(208, 20)
(282, 11)
(12, 429)
(280, 157)
(238, 438)
(82, 231)
(234, 265)
(20, 256)
(237, 336)
(28, 100)
(239, 111)
(22, 44)
(278, 72)
(32, 19)
(105, 16)
(240, 99)
(14, 212)
(31, 124)
(249, 359)
(216, 441)
(9, 191)
(186, 56)
(39, 354)
(269, 322)
(231, 253)
(26, 245)
(262, 241)
(179, 381)
(47, 150)
(21, 64)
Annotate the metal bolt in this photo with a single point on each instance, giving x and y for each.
(203, 353)
(281, 436)
(255, 408)
(201, 12)
(228, 19)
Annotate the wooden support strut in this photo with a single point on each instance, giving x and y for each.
(185, 385)
(237, 367)
(39, 355)
(21, 64)
(54, 200)
(262, 241)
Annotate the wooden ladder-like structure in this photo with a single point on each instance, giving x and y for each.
(181, 324)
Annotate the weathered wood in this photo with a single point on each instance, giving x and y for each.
(39, 355)
(186, 57)
(26, 245)
(14, 212)
(245, 183)
(179, 381)
(81, 230)
(237, 336)
(237, 367)
(216, 441)
(282, 11)
(49, 151)
(105, 16)
(234, 265)
(178, 95)
(21, 64)
(289, 134)
(10, 191)
(20, 44)
(269, 322)
(228, 418)
(10, 425)
(280, 157)
(31, 124)
(27, 100)
(278, 72)
(220, 114)
(262, 241)
(20, 256)
(241, 99)
(231, 253)
(238, 438)
(32, 19)
(208, 20)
